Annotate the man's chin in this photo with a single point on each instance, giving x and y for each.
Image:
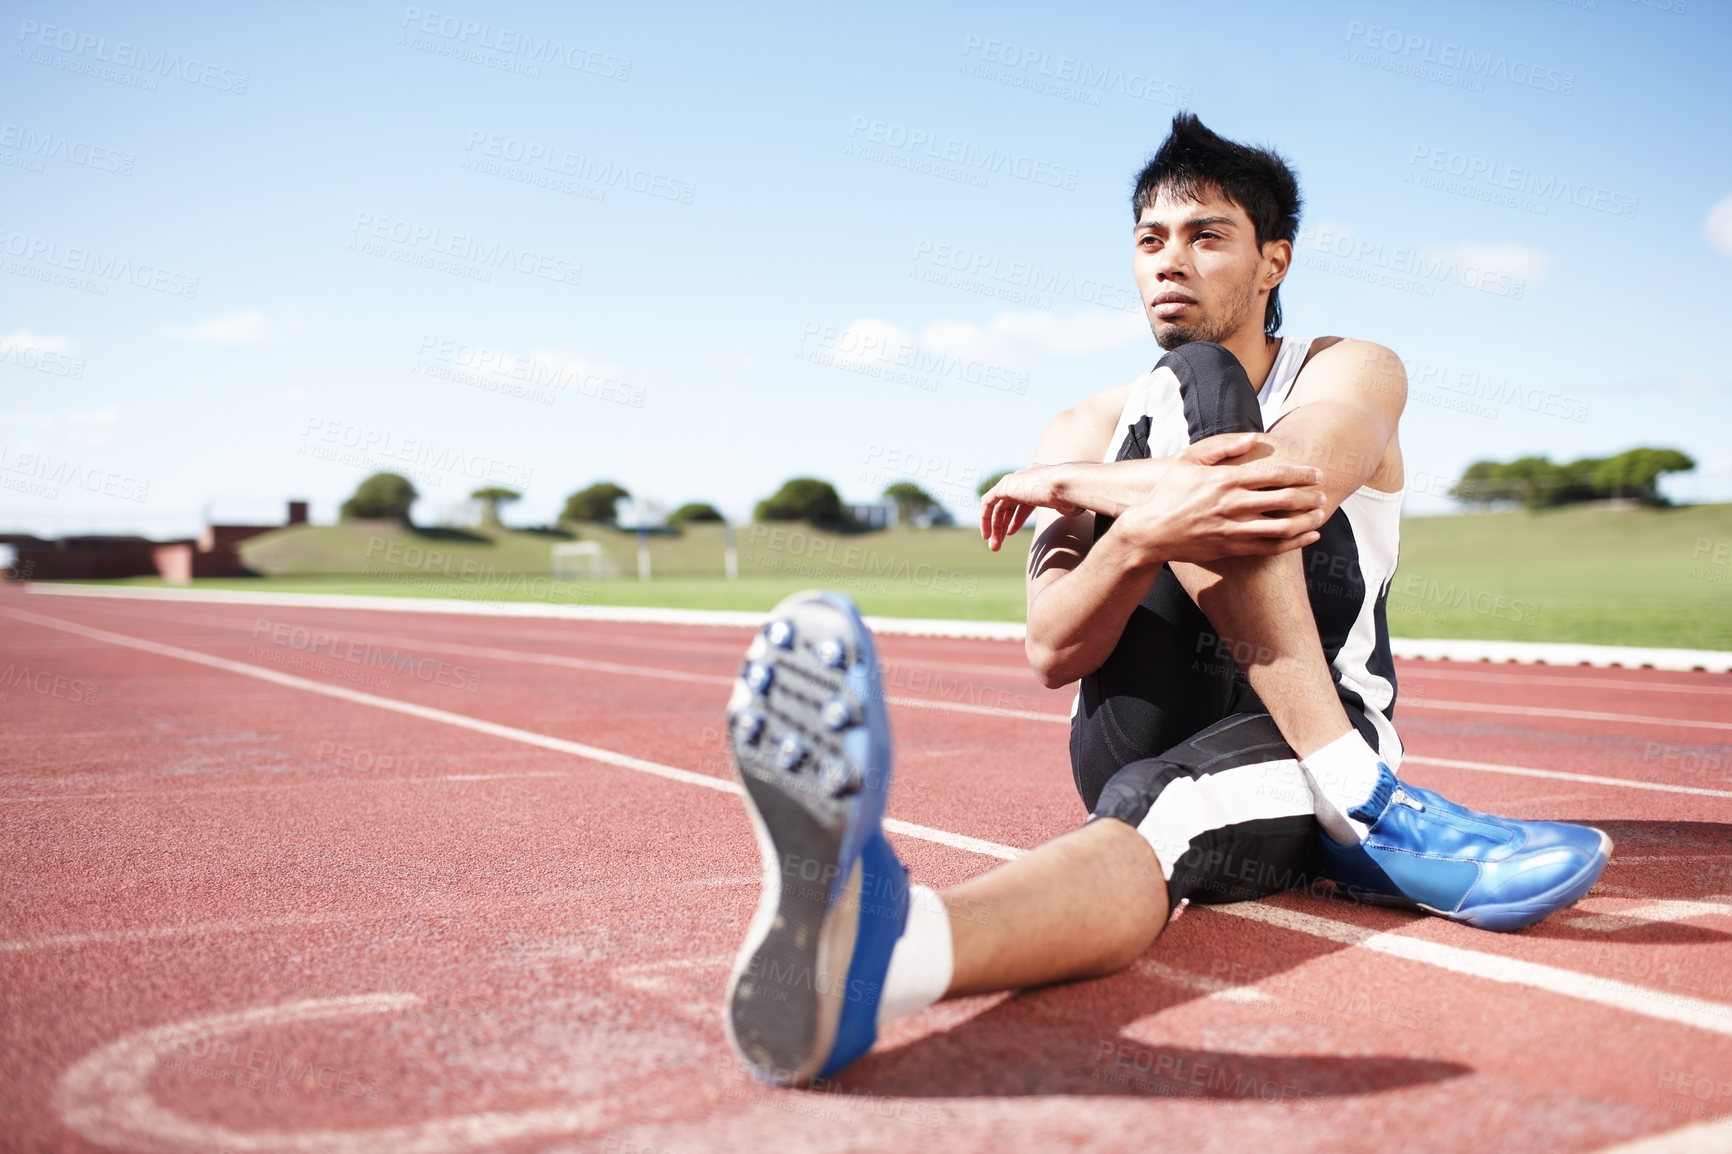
(1170, 337)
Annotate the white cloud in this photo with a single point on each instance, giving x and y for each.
(107, 415)
(242, 328)
(21, 341)
(1010, 339)
(1516, 260)
(1718, 226)
(29, 419)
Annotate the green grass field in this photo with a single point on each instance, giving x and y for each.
(1589, 574)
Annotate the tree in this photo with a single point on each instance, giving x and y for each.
(911, 500)
(383, 496)
(491, 498)
(1538, 483)
(596, 503)
(693, 511)
(985, 486)
(802, 499)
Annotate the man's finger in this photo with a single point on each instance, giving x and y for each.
(1255, 502)
(1213, 450)
(1271, 474)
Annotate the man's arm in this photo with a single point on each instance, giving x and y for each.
(1082, 591)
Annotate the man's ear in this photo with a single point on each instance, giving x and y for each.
(1277, 259)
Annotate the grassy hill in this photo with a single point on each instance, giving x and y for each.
(1586, 573)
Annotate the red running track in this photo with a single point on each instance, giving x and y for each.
(287, 880)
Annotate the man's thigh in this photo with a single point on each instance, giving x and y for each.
(1228, 812)
(1166, 679)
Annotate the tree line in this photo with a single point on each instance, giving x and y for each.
(390, 496)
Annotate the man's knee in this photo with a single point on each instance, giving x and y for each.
(1216, 391)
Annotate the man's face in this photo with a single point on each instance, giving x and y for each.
(1200, 272)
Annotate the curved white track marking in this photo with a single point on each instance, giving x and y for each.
(1702, 1014)
(105, 1097)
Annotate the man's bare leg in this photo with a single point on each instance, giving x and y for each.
(1082, 906)
(1260, 607)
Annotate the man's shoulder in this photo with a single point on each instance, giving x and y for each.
(1083, 431)
(1351, 368)
(1350, 355)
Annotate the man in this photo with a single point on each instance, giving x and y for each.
(1213, 549)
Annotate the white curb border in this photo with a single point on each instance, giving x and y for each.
(1525, 652)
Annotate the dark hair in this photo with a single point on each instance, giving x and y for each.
(1194, 162)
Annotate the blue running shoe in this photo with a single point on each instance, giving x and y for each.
(1492, 872)
(811, 742)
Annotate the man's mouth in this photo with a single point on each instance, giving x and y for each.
(1169, 305)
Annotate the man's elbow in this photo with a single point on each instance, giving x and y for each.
(1052, 666)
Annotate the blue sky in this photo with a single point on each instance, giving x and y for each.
(249, 253)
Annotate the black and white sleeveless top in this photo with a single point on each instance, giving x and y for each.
(1347, 572)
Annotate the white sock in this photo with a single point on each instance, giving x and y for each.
(923, 961)
(1342, 775)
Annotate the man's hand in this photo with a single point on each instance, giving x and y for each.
(1227, 497)
(1182, 508)
(1017, 495)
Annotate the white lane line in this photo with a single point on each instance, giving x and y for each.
(1544, 652)
(1689, 1011)
(662, 673)
(1681, 1008)
(464, 721)
(1479, 677)
(270, 786)
(1560, 775)
(1648, 914)
(913, 703)
(158, 933)
(1711, 1137)
(1570, 714)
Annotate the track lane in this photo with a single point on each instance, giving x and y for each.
(1232, 1033)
